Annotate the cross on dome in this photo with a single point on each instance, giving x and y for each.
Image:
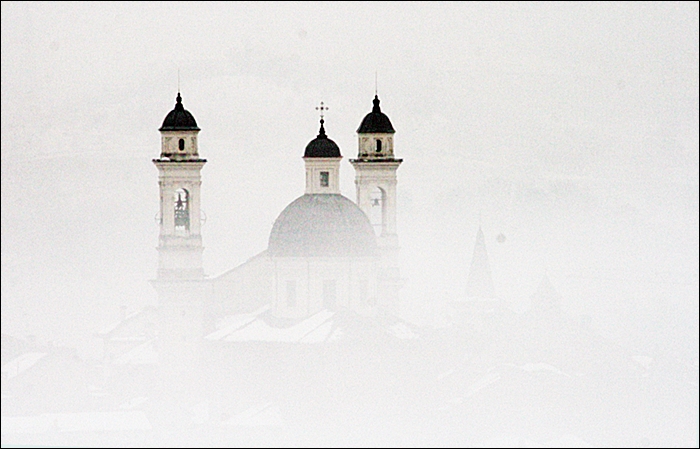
(321, 108)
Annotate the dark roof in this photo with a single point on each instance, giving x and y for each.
(179, 119)
(376, 121)
(322, 225)
(322, 146)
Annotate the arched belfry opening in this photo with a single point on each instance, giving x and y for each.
(377, 212)
(182, 210)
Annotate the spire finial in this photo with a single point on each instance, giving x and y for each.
(375, 84)
(322, 107)
(376, 107)
(178, 102)
(178, 99)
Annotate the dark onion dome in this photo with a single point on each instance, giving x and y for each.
(179, 119)
(322, 225)
(376, 121)
(322, 146)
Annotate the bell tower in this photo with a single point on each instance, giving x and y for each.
(180, 282)
(179, 166)
(375, 181)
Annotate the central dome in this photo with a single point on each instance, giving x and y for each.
(322, 225)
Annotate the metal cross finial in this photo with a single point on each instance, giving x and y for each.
(322, 108)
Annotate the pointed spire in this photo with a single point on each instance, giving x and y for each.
(546, 297)
(480, 283)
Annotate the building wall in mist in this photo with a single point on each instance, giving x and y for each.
(244, 288)
(131, 331)
(323, 282)
(350, 283)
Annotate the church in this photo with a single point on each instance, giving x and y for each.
(323, 256)
(330, 261)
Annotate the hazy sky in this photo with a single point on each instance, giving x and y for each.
(571, 128)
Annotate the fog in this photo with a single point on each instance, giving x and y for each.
(566, 132)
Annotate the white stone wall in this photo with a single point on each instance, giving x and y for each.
(355, 284)
(170, 145)
(179, 252)
(314, 167)
(367, 146)
(382, 175)
(246, 287)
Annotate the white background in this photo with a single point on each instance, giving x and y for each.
(571, 128)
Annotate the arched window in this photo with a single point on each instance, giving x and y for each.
(379, 146)
(182, 210)
(376, 215)
(181, 144)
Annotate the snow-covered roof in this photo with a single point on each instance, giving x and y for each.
(143, 354)
(21, 363)
(234, 322)
(402, 331)
(532, 367)
(114, 325)
(265, 414)
(314, 329)
(76, 422)
(321, 327)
